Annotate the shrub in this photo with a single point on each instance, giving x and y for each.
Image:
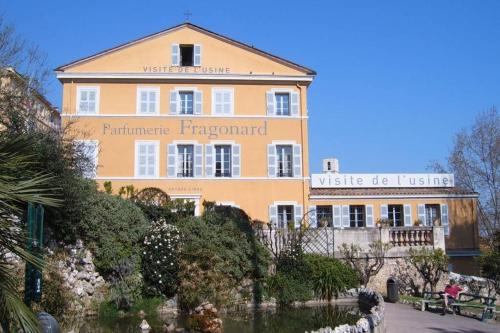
(56, 298)
(329, 276)
(292, 279)
(160, 259)
(113, 227)
(288, 288)
(219, 246)
(126, 283)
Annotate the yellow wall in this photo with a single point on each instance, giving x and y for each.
(461, 215)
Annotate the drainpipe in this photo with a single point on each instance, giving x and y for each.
(304, 199)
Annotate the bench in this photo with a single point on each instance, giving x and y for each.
(432, 298)
(471, 301)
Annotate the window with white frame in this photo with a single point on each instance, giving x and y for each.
(357, 216)
(395, 215)
(285, 160)
(89, 149)
(185, 161)
(285, 215)
(148, 100)
(186, 54)
(222, 101)
(432, 214)
(186, 100)
(87, 100)
(223, 161)
(282, 104)
(324, 215)
(147, 161)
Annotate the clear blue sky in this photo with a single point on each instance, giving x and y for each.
(396, 79)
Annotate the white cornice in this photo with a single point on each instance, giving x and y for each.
(183, 116)
(393, 196)
(181, 76)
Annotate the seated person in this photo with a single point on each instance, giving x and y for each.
(451, 292)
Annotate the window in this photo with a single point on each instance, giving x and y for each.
(222, 101)
(185, 160)
(432, 213)
(223, 161)
(148, 101)
(147, 159)
(357, 216)
(89, 149)
(285, 160)
(282, 104)
(186, 102)
(87, 100)
(285, 215)
(187, 55)
(324, 216)
(396, 215)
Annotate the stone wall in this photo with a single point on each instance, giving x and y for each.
(408, 278)
(80, 277)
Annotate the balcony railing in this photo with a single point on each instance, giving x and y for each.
(409, 236)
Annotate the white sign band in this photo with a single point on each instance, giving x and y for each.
(364, 180)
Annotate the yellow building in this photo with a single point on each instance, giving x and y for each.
(197, 114)
(204, 117)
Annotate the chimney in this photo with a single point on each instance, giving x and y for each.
(331, 165)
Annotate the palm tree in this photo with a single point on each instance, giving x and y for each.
(19, 184)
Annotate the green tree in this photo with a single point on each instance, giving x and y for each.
(18, 186)
(490, 262)
(430, 264)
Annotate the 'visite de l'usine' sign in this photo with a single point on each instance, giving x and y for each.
(363, 180)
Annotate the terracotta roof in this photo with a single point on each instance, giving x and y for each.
(199, 29)
(392, 191)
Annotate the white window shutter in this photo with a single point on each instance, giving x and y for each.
(198, 160)
(313, 220)
(271, 160)
(444, 219)
(297, 161)
(176, 55)
(171, 160)
(209, 160)
(236, 160)
(270, 102)
(337, 216)
(273, 215)
(298, 215)
(174, 96)
(369, 216)
(294, 104)
(346, 223)
(197, 55)
(384, 212)
(421, 213)
(407, 215)
(198, 97)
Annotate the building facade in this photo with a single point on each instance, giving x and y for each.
(198, 115)
(204, 117)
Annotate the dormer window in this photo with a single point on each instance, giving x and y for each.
(186, 55)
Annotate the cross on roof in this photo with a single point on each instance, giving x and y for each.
(188, 14)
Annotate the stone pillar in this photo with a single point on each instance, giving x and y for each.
(438, 236)
(384, 235)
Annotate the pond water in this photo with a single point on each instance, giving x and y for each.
(260, 321)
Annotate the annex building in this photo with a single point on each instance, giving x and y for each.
(204, 117)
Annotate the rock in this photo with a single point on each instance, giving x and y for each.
(79, 244)
(79, 291)
(169, 328)
(144, 326)
(89, 289)
(141, 314)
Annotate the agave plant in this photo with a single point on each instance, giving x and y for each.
(19, 184)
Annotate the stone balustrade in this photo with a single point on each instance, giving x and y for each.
(408, 236)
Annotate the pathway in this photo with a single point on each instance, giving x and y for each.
(403, 318)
